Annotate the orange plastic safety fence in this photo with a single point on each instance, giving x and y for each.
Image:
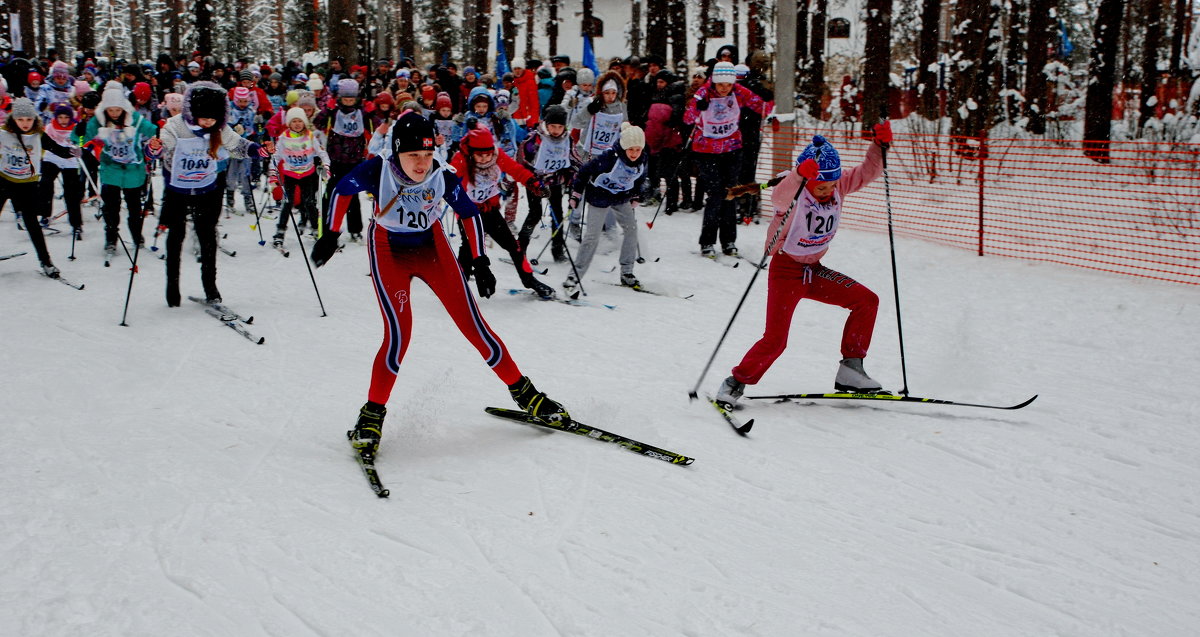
(1136, 214)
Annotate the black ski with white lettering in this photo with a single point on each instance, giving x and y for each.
(6, 257)
(580, 429)
(366, 460)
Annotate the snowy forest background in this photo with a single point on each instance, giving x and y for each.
(1029, 65)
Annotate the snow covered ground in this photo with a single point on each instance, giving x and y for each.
(171, 477)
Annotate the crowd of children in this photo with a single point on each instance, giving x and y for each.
(422, 142)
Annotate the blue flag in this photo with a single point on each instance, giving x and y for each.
(1064, 43)
(502, 66)
(589, 56)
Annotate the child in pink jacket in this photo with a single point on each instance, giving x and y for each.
(796, 272)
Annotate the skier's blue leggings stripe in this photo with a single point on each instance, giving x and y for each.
(393, 334)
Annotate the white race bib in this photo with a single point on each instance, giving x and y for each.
(15, 159)
(349, 125)
(299, 158)
(605, 130)
(192, 167)
(721, 118)
(121, 146)
(812, 233)
(413, 208)
(621, 178)
(485, 185)
(552, 155)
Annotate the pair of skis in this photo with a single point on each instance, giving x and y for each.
(726, 409)
(366, 458)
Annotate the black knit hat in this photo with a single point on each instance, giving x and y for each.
(412, 133)
(207, 102)
(555, 114)
(90, 99)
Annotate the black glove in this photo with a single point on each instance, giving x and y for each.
(594, 106)
(485, 281)
(573, 200)
(701, 104)
(536, 187)
(324, 248)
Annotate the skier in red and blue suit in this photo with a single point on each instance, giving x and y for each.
(405, 240)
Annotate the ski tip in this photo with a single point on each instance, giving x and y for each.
(1026, 403)
(383, 493)
(262, 339)
(745, 429)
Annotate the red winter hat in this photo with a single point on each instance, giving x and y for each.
(443, 101)
(385, 99)
(479, 139)
(427, 92)
(34, 75)
(141, 92)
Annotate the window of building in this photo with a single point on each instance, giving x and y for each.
(839, 28)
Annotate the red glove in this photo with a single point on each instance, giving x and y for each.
(277, 193)
(96, 146)
(809, 169)
(883, 132)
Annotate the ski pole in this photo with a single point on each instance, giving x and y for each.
(560, 224)
(133, 270)
(303, 251)
(762, 264)
(74, 233)
(567, 248)
(887, 197)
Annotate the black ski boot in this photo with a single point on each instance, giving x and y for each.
(368, 430)
(541, 289)
(535, 402)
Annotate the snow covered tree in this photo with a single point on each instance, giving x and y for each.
(301, 25)
(1153, 21)
(657, 20)
(202, 14)
(814, 81)
(677, 32)
(439, 28)
(976, 49)
(878, 61)
(1097, 126)
(927, 59)
(85, 35)
(342, 16)
(1037, 40)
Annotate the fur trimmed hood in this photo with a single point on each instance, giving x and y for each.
(205, 91)
(614, 77)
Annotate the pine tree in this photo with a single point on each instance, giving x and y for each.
(977, 45)
(1097, 126)
(877, 70)
(1150, 50)
(927, 60)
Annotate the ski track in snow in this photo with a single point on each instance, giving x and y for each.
(171, 477)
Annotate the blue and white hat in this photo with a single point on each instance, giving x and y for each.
(723, 72)
(828, 161)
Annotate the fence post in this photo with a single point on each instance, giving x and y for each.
(982, 155)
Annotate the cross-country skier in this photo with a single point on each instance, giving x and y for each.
(192, 146)
(122, 134)
(22, 140)
(406, 240)
(716, 142)
(796, 272)
(612, 183)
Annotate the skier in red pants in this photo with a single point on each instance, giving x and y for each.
(406, 240)
(796, 272)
